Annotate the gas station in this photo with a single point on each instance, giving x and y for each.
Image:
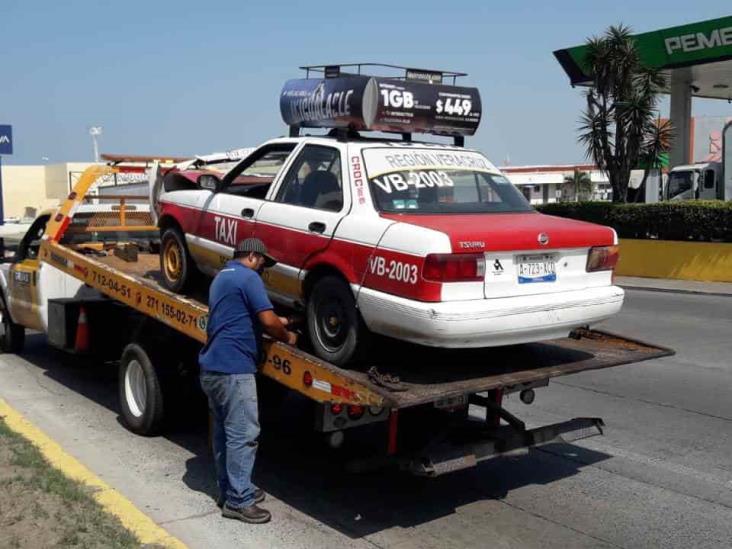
(695, 58)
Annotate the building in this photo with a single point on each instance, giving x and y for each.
(544, 184)
(30, 189)
(27, 190)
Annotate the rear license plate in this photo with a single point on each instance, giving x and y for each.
(452, 402)
(536, 268)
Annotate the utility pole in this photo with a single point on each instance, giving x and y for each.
(95, 131)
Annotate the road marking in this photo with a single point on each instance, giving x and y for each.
(114, 503)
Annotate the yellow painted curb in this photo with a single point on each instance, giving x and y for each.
(142, 526)
(703, 261)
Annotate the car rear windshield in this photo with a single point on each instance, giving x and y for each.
(436, 181)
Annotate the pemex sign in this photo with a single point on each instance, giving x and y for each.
(683, 46)
(6, 139)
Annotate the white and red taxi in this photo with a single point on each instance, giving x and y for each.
(422, 242)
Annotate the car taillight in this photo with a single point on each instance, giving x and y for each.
(454, 267)
(602, 258)
(336, 408)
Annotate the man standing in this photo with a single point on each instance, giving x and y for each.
(239, 309)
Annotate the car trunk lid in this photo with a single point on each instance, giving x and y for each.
(526, 253)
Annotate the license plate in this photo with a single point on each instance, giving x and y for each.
(452, 402)
(537, 268)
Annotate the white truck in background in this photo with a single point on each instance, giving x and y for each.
(703, 180)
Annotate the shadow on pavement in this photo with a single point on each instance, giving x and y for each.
(295, 466)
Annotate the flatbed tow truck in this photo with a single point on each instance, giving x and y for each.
(426, 426)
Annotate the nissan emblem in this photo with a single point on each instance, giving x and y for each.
(543, 239)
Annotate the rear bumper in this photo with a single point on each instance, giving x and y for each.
(488, 322)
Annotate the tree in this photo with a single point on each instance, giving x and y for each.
(657, 141)
(577, 187)
(619, 128)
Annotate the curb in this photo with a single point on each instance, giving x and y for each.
(674, 291)
(114, 503)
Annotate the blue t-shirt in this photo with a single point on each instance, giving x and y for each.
(236, 296)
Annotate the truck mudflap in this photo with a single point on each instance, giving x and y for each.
(447, 457)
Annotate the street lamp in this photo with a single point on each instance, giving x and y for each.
(95, 131)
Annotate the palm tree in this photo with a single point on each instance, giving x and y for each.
(577, 187)
(618, 123)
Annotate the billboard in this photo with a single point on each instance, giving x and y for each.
(6, 139)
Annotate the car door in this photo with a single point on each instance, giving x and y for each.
(24, 302)
(228, 215)
(301, 218)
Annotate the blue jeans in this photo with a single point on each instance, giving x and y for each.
(232, 399)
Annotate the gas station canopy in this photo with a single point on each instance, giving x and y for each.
(696, 59)
(701, 53)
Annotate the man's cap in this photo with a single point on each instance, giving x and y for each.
(249, 245)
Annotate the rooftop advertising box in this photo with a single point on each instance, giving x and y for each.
(359, 102)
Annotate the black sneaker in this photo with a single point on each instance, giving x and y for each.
(258, 498)
(251, 514)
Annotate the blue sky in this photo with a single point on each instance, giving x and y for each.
(184, 77)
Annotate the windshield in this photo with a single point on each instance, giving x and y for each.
(434, 181)
(680, 182)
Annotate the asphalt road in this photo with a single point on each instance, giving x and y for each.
(661, 476)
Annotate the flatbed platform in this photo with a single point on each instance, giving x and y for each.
(427, 374)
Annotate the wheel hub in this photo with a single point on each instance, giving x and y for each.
(172, 260)
(331, 324)
(135, 388)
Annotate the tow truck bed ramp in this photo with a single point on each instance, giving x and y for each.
(428, 374)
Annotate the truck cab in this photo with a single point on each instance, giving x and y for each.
(28, 284)
(701, 181)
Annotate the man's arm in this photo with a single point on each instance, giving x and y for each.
(274, 327)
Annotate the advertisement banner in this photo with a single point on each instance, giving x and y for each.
(403, 106)
(381, 104)
(324, 103)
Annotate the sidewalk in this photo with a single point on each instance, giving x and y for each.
(671, 285)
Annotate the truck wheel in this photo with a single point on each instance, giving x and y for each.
(176, 263)
(13, 336)
(140, 394)
(336, 330)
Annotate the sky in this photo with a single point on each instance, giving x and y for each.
(183, 77)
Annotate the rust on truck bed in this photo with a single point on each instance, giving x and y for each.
(431, 374)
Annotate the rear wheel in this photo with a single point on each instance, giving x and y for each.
(140, 393)
(12, 339)
(336, 330)
(176, 263)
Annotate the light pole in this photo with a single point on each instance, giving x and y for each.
(95, 131)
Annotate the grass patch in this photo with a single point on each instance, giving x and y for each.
(40, 507)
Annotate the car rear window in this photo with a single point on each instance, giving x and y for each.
(435, 181)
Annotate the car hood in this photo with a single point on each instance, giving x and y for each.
(509, 231)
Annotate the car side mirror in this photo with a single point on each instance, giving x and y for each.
(210, 182)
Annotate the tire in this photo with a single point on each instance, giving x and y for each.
(176, 263)
(337, 332)
(140, 392)
(13, 336)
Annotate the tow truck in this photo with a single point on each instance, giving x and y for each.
(105, 298)
(89, 276)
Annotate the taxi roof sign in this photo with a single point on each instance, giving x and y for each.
(415, 101)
